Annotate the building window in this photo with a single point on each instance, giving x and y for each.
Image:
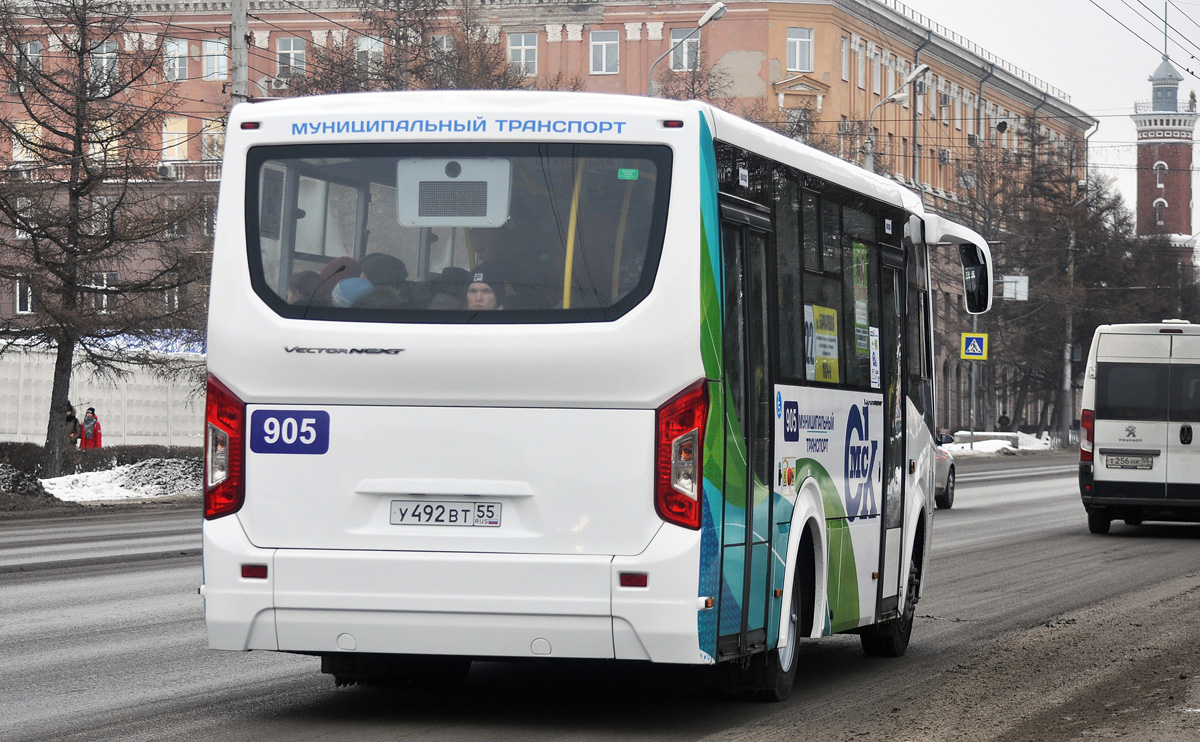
(290, 55)
(216, 59)
(97, 215)
(103, 144)
(208, 216)
(104, 67)
(24, 220)
(174, 140)
(522, 53)
(605, 52)
(171, 299)
(175, 59)
(877, 73)
(27, 135)
(800, 49)
(212, 139)
(1160, 174)
(845, 59)
(685, 56)
(27, 66)
(101, 299)
(1160, 212)
(860, 67)
(368, 54)
(23, 295)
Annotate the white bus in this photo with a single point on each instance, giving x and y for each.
(547, 375)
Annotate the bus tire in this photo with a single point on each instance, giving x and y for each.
(1098, 523)
(890, 638)
(774, 672)
(776, 668)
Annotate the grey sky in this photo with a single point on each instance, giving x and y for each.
(1074, 46)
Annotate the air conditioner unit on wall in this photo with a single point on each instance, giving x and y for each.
(943, 100)
(973, 140)
(167, 171)
(845, 127)
(943, 157)
(279, 83)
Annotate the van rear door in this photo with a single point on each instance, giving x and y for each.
(1183, 448)
(1132, 383)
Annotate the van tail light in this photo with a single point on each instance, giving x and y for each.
(224, 451)
(1087, 434)
(679, 447)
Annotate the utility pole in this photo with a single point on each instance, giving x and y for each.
(239, 50)
(1067, 406)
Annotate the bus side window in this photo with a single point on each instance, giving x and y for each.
(824, 346)
(788, 277)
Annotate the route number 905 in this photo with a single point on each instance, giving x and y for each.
(289, 431)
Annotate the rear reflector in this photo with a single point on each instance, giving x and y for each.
(250, 124)
(634, 579)
(254, 571)
(672, 124)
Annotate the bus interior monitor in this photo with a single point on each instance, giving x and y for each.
(453, 192)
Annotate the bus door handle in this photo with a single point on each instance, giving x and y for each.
(1185, 434)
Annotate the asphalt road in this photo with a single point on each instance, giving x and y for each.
(1028, 622)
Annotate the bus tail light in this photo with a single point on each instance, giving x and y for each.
(224, 451)
(679, 446)
(1087, 434)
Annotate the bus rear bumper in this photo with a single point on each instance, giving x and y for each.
(458, 604)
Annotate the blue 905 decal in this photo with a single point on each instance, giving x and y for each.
(289, 431)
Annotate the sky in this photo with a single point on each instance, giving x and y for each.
(1074, 46)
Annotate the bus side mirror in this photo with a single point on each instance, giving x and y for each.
(977, 283)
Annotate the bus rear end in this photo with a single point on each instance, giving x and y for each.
(454, 358)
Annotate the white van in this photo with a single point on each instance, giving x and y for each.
(1141, 398)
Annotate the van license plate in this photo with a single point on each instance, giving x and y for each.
(440, 513)
(1129, 462)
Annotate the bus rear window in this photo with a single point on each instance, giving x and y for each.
(456, 232)
(1132, 391)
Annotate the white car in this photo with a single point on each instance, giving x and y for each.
(943, 491)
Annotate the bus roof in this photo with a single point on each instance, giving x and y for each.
(525, 103)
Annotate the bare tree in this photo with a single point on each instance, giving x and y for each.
(413, 44)
(96, 247)
(474, 59)
(690, 76)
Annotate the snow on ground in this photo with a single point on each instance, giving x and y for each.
(1025, 442)
(146, 479)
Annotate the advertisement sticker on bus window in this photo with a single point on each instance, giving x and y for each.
(861, 262)
(289, 431)
(627, 173)
(874, 357)
(821, 343)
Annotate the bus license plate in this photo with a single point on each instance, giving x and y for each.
(441, 513)
(1129, 462)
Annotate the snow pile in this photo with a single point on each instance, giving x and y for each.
(145, 479)
(1025, 442)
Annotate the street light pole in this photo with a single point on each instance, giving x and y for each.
(899, 95)
(715, 12)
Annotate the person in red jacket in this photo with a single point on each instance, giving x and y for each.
(90, 437)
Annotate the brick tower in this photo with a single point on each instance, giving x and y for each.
(1164, 156)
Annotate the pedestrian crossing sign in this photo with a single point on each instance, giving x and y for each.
(974, 346)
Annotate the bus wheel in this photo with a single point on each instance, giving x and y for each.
(774, 672)
(890, 639)
(1098, 523)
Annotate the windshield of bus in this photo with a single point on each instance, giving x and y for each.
(465, 232)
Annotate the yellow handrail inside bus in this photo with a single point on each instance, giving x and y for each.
(571, 235)
(616, 273)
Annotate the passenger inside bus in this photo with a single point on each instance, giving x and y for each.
(487, 288)
(301, 286)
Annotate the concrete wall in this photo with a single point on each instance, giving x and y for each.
(137, 409)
